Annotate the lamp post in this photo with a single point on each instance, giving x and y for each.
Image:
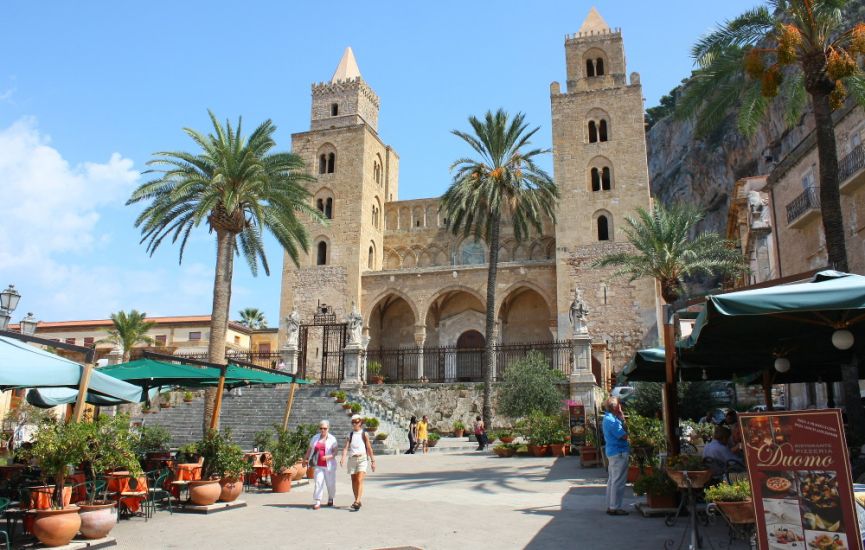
(28, 324)
(8, 302)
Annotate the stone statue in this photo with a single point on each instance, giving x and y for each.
(292, 328)
(355, 326)
(578, 313)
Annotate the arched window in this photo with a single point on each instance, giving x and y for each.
(606, 183)
(596, 180)
(602, 130)
(320, 205)
(321, 259)
(331, 162)
(334, 109)
(374, 218)
(370, 262)
(599, 67)
(322, 164)
(593, 132)
(603, 228)
(328, 208)
(590, 67)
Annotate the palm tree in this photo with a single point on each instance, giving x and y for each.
(129, 329)
(667, 252)
(252, 318)
(503, 182)
(239, 187)
(798, 49)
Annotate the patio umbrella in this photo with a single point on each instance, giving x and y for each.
(149, 373)
(45, 398)
(648, 365)
(25, 366)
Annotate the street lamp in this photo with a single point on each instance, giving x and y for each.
(782, 364)
(843, 339)
(9, 299)
(28, 324)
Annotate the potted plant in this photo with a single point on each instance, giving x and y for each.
(659, 489)
(505, 436)
(381, 436)
(733, 500)
(459, 428)
(685, 469)
(505, 450)
(332, 394)
(152, 446)
(372, 424)
(188, 453)
(207, 490)
(433, 439)
(589, 450)
(540, 430)
(373, 372)
(346, 405)
(340, 396)
(356, 408)
(559, 436)
(110, 444)
(56, 446)
(646, 436)
(146, 408)
(187, 397)
(286, 449)
(165, 400)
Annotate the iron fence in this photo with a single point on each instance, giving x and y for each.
(451, 364)
(851, 163)
(807, 200)
(269, 359)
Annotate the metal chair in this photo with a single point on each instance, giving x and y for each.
(4, 503)
(248, 478)
(156, 491)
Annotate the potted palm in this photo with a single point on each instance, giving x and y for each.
(733, 500)
(109, 445)
(372, 424)
(373, 372)
(688, 470)
(459, 428)
(57, 445)
(659, 489)
(286, 449)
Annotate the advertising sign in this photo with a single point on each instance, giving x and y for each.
(577, 414)
(800, 480)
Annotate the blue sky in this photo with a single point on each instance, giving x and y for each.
(89, 90)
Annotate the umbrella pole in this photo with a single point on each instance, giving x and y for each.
(288, 405)
(82, 392)
(671, 417)
(220, 388)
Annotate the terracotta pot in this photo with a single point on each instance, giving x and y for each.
(558, 449)
(661, 500)
(204, 492)
(507, 439)
(371, 430)
(634, 472)
(165, 405)
(504, 452)
(56, 527)
(340, 400)
(459, 433)
(41, 498)
(97, 520)
(281, 482)
(430, 443)
(299, 471)
(346, 406)
(698, 477)
(738, 512)
(231, 487)
(376, 379)
(539, 450)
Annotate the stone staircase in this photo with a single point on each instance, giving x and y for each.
(258, 408)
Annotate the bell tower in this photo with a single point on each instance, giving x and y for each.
(355, 173)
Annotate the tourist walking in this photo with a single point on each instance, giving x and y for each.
(617, 449)
(322, 454)
(423, 434)
(480, 433)
(360, 458)
(412, 435)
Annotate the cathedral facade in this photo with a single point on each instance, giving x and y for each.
(418, 286)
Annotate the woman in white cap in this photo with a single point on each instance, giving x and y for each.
(322, 453)
(360, 458)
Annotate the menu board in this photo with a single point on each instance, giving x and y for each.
(800, 480)
(577, 424)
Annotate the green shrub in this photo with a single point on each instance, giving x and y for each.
(656, 483)
(433, 437)
(544, 429)
(459, 425)
(152, 439)
(373, 368)
(381, 436)
(530, 385)
(738, 491)
(222, 457)
(340, 395)
(288, 447)
(686, 462)
(262, 439)
(356, 408)
(187, 396)
(372, 422)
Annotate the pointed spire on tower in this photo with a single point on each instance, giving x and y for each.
(347, 68)
(594, 22)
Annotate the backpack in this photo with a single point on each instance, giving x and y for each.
(364, 436)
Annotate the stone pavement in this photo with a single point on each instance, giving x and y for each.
(444, 500)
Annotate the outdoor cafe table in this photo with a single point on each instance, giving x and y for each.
(260, 468)
(119, 483)
(185, 472)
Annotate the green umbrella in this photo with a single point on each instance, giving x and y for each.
(240, 376)
(149, 373)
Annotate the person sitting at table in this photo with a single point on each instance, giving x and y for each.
(719, 453)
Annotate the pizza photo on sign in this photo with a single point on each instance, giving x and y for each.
(779, 484)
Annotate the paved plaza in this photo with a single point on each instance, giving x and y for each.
(441, 500)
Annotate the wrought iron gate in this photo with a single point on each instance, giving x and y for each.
(334, 336)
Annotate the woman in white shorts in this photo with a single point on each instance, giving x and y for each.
(360, 458)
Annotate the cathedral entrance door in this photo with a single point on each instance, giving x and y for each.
(470, 356)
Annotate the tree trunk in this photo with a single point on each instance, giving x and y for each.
(219, 313)
(489, 351)
(830, 195)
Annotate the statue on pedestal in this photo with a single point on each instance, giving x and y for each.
(578, 313)
(292, 328)
(355, 326)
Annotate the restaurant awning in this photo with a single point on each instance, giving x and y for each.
(45, 398)
(26, 366)
(151, 373)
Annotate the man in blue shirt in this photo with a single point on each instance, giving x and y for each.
(617, 449)
(719, 451)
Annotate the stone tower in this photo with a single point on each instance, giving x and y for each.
(599, 163)
(356, 173)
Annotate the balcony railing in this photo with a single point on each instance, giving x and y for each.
(851, 163)
(809, 200)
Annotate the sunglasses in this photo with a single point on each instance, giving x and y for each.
(355, 421)
(322, 428)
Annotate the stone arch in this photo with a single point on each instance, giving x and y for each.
(326, 156)
(323, 200)
(602, 225)
(391, 321)
(409, 259)
(391, 259)
(529, 285)
(524, 315)
(600, 174)
(371, 256)
(595, 62)
(599, 120)
(449, 291)
(376, 212)
(367, 311)
(521, 252)
(377, 169)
